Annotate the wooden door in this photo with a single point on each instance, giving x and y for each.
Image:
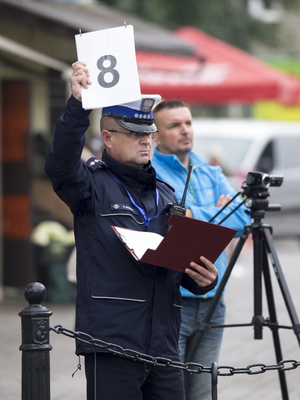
(18, 269)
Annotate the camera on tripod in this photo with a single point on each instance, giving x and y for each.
(260, 179)
(255, 188)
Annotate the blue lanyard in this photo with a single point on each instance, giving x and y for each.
(142, 212)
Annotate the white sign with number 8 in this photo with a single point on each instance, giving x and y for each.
(110, 58)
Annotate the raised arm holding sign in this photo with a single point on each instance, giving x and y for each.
(79, 79)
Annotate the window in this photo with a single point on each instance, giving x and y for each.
(290, 149)
(266, 160)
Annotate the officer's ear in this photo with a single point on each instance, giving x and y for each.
(106, 137)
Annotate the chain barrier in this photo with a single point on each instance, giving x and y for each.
(190, 367)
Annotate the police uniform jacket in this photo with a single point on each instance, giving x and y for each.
(119, 300)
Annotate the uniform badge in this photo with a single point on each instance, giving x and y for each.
(122, 207)
(146, 105)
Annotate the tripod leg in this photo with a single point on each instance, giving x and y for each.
(258, 249)
(282, 283)
(274, 323)
(205, 323)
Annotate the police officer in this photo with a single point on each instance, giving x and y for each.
(120, 300)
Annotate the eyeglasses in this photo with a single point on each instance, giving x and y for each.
(137, 135)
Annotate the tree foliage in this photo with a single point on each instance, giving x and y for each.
(227, 20)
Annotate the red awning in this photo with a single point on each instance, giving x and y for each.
(221, 74)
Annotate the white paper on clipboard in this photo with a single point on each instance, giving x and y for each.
(111, 60)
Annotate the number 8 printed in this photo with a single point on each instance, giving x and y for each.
(105, 70)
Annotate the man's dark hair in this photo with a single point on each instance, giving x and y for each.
(174, 103)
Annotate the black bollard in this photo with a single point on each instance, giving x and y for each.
(214, 381)
(35, 345)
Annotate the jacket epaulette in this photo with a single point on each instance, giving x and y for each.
(93, 163)
(169, 186)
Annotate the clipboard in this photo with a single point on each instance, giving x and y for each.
(186, 241)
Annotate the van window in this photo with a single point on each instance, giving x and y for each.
(266, 160)
(229, 151)
(290, 149)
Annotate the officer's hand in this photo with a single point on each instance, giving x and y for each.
(203, 276)
(80, 77)
(189, 213)
(223, 200)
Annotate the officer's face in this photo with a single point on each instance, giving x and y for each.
(175, 132)
(127, 150)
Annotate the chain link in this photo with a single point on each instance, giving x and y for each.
(190, 367)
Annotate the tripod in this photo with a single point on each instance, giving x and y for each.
(262, 247)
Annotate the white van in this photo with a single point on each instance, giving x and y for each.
(272, 147)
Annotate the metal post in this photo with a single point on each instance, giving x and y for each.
(35, 345)
(214, 381)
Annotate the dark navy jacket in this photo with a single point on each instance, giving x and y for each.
(119, 300)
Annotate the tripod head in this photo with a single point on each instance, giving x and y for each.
(255, 193)
(255, 189)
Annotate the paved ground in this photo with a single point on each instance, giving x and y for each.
(239, 348)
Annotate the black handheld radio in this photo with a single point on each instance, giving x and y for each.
(179, 208)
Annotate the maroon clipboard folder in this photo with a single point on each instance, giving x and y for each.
(186, 241)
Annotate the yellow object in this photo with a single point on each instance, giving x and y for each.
(275, 111)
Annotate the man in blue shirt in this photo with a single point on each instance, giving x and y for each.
(208, 190)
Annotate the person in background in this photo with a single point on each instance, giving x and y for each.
(208, 190)
(120, 300)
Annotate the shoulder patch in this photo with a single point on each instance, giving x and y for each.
(169, 186)
(94, 163)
